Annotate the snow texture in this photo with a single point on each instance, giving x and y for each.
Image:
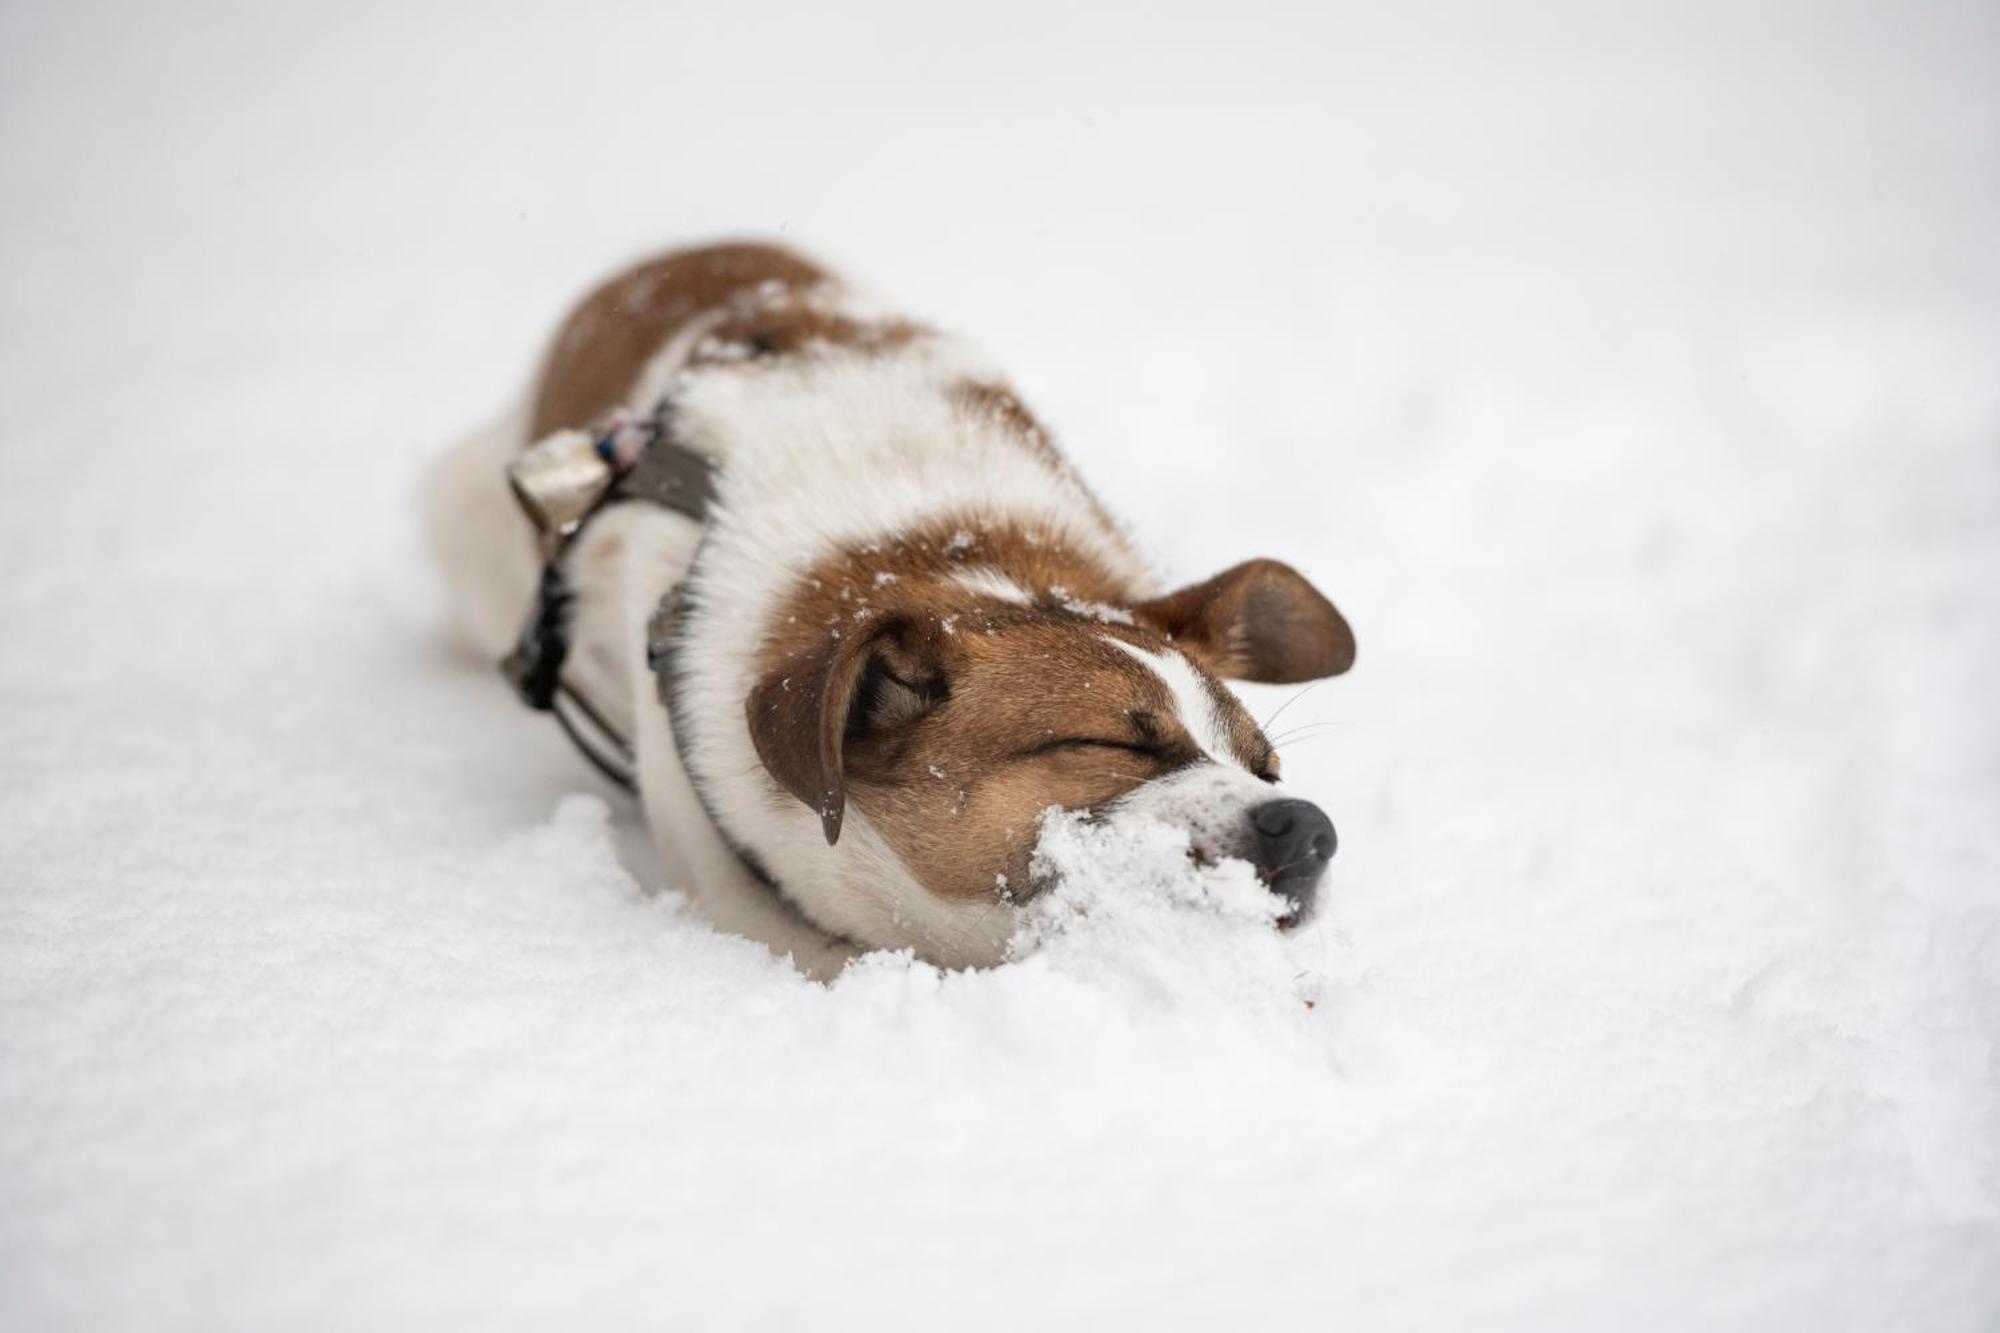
(1626, 373)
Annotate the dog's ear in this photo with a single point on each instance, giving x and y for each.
(866, 683)
(1259, 621)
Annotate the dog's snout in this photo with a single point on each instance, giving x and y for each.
(1294, 841)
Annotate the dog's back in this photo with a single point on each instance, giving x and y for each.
(605, 346)
(631, 328)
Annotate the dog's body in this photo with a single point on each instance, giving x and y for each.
(905, 627)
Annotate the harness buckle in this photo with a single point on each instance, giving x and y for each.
(559, 480)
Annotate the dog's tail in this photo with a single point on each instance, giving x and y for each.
(479, 536)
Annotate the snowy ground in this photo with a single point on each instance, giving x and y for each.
(1633, 388)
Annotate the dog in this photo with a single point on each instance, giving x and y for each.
(861, 625)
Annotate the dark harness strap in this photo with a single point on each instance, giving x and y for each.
(562, 483)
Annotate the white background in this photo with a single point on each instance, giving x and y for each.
(1627, 374)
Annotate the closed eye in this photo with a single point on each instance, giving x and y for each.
(1092, 743)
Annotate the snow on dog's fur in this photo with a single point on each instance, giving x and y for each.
(909, 629)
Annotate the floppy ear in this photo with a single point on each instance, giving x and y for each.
(1259, 621)
(803, 717)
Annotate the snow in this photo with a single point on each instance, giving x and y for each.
(1627, 380)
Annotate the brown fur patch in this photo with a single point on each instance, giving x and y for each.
(613, 332)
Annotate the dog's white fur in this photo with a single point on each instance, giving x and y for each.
(814, 453)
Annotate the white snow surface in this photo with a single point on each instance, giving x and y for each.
(1630, 375)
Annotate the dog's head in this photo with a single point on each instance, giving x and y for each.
(951, 708)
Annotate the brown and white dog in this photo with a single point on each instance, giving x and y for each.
(906, 628)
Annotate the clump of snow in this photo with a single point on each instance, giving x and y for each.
(1104, 611)
(1131, 908)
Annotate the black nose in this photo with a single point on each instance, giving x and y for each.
(1294, 841)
